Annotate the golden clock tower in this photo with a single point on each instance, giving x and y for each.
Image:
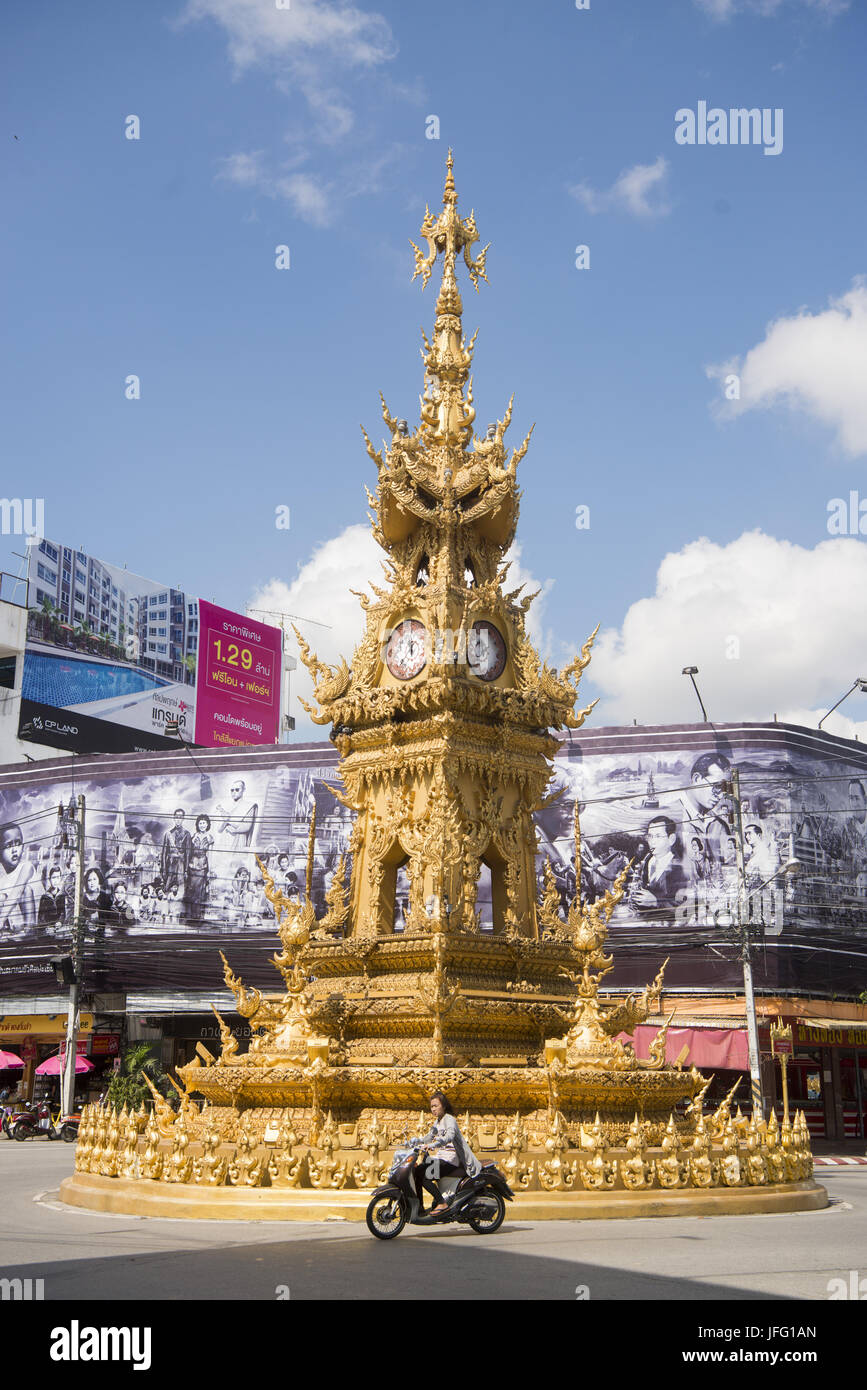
(443, 723)
(443, 718)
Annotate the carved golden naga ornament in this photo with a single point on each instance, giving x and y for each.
(443, 721)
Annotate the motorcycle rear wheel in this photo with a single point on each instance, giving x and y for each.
(69, 1133)
(21, 1132)
(487, 1214)
(386, 1217)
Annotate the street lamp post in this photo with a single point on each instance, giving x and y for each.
(692, 672)
(860, 684)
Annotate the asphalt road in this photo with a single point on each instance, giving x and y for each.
(82, 1255)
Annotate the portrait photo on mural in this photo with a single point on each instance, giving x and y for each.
(171, 872)
(669, 821)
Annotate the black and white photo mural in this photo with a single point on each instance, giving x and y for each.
(171, 873)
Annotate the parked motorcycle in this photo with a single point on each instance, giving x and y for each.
(68, 1127)
(30, 1124)
(9, 1113)
(478, 1202)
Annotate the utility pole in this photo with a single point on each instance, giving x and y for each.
(746, 957)
(75, 821)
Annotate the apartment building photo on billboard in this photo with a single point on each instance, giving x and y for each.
(111, 662)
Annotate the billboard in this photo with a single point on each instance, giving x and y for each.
(660, 800)
(172, 878)
(170, 865)
(238, 679)
(116, 663)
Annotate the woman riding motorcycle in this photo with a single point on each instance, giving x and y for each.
(452, 1155)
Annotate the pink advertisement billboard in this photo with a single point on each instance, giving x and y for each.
(118, 663)
(238, 679)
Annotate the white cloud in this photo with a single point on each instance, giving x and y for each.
(311, 198)
(246, 170)
(309, 46)
(722, 10)
(813, 362)
(631, 191)
(334, 117)
(315, 200)
(798, 617)
(320, 591)
(260, 33)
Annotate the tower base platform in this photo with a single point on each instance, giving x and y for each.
(132, 1197)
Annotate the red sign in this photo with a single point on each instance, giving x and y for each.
(105, 1045)
(237, 680)
(80, 1047)
(782, 1046)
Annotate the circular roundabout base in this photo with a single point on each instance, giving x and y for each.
(130, 1197)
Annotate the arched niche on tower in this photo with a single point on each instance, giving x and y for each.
(385, 909)
(402, 893)
(495, 864)
(484, 901)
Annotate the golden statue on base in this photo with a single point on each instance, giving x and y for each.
(445, 721)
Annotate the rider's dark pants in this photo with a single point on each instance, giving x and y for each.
(446, 1170)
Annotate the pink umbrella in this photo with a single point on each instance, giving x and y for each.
(54, 1065)
(8, 1059)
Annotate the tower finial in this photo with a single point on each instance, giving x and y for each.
(449, 194)
(446, 413)
(450, 235)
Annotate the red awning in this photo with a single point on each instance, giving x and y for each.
(709, 1048)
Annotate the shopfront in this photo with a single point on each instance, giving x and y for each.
(827, 1077)
(833, 1062)
(37, 1037)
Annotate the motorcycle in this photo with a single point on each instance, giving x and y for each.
(22, 1110)
(29, 1124)
(9, 1113)
(478, 1202)
(68, 1127)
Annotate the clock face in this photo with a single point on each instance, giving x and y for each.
(405, 652)
(486, 651)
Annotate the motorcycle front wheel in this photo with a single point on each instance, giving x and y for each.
(386, 1217)
(69, 1133)
(487, 1214)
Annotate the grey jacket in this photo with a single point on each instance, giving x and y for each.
(446, 1131)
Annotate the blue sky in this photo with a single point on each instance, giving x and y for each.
(306, 127)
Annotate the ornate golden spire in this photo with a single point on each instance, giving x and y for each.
(449, 234)
(446, 415)
(449, 194)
